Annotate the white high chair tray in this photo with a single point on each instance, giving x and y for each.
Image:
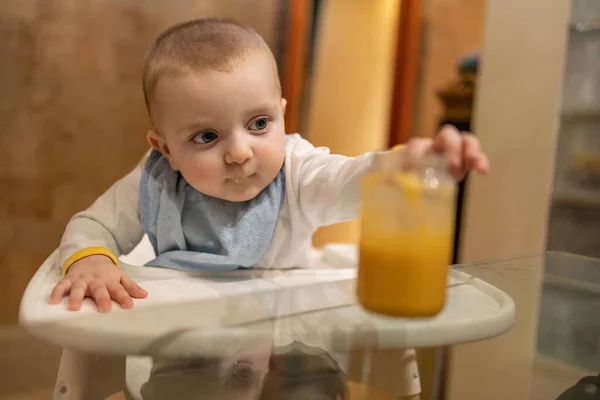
(187, 314)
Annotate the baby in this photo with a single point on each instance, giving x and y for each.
(223, 187)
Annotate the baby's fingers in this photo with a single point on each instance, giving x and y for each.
(119, 294)
(60, 290)
(449, 143)
(133, 288)
(482, 165)
(100, 294)
(473, 157)
(78, 291)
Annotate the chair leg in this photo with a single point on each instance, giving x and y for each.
(431, 362)
(84, 376)
(392, 372)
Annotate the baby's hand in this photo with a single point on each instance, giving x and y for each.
(462, 151)
(96, 277)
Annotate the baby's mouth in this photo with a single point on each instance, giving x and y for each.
(240, 179)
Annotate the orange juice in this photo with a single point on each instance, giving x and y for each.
(406, 243)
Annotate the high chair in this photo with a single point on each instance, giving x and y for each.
(315, 306)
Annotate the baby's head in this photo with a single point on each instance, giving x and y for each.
(214, 99)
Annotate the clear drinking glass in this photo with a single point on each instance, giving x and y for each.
(407, 231)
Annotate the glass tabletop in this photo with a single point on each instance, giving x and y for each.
(280, 344)
(555, 339)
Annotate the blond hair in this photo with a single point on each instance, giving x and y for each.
(195, 46)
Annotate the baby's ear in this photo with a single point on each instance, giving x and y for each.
(158, 143)
(283, 105)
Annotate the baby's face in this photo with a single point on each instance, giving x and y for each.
(224, 131)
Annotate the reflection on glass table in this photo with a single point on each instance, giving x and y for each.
(313, 341)
(555, 341)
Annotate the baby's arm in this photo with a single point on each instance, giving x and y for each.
(110, 226)
(327, 185)
(93, 240)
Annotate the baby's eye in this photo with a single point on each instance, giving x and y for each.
(259, 124)
(205, 137)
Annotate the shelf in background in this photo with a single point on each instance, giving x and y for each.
(581, 114)
(577, 198)
(583, 27)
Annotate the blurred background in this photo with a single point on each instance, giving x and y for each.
(358, 75)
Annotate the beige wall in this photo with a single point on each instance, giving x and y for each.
(451, 29)
(71, 103)
(351, 84)
(516, 117)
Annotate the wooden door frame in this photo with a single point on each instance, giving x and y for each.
(406, 71)
(296, 49)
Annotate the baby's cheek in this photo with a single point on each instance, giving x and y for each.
(199, 173)
(273, 149)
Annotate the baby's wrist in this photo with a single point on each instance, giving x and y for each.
(387, 160)
(91, 261)
(86, 253)
(95, 259)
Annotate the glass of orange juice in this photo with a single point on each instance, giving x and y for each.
(407, 229)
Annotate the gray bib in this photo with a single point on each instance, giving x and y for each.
(195, 232)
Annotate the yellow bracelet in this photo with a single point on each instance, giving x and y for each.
(89, 251)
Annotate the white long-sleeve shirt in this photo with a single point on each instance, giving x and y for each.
(321, 189)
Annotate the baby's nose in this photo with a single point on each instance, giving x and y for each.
(238, 153)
